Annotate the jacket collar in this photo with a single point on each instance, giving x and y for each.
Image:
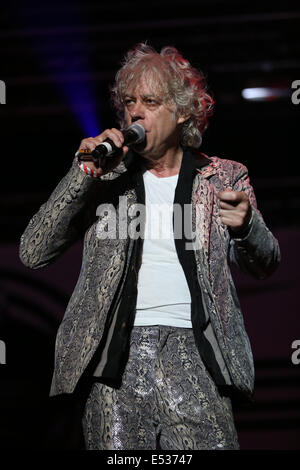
(192, 160)
(203, 164)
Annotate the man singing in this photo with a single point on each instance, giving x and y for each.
(154, 324)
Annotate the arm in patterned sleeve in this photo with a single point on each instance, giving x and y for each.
(255, 250)
(59, 222)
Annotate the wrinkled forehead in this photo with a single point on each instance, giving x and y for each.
(144, 87)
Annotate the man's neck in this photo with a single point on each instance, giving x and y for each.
(167, 165)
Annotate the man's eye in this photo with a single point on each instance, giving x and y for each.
(128, 102)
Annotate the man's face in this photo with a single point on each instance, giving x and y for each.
(162, 127)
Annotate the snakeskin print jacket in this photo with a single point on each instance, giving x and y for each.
(71, 213)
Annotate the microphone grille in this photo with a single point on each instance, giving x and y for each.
(139, 130)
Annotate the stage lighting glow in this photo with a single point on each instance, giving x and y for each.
(65, 59)
(265, 93)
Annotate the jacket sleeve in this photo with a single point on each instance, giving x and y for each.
(59, 222)
(255, 251)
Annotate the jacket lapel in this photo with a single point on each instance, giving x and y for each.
(203, 200)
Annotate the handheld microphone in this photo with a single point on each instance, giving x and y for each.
(134, 134)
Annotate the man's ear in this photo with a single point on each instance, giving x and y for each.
(182, 119)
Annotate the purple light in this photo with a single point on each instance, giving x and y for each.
(65, 58)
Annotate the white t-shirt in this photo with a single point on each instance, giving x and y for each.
(163, 294)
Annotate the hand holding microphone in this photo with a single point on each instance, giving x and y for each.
(103, 153)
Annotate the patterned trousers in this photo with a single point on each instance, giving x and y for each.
(167, 398)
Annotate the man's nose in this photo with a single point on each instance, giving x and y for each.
(137, 112)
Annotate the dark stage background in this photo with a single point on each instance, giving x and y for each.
(58, 60)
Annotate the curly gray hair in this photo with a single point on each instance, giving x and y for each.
(177, 82)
